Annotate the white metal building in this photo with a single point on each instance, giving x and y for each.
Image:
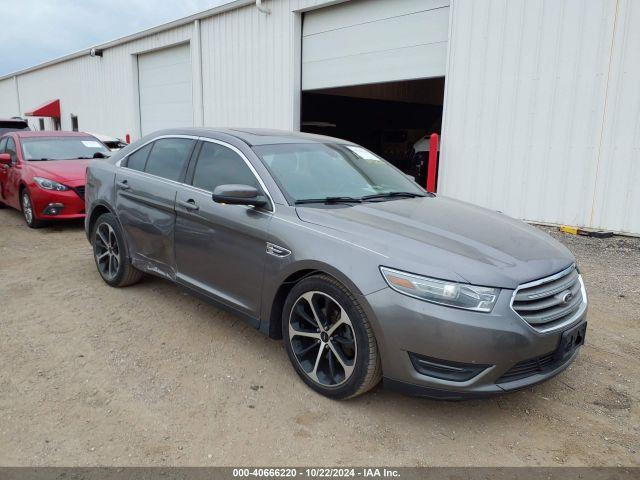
(538, 101)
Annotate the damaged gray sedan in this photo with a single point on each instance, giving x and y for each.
(363, 274)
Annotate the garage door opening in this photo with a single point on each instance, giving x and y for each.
(387, 118)
(373, 72)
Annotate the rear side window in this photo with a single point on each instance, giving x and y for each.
(138, 159)
(219, 165)
(3, 143)
(169, 157)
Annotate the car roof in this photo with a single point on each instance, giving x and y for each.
(104, 138)
(52, 133)
(255, 136)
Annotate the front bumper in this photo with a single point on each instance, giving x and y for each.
(496, 342)
(45, 202)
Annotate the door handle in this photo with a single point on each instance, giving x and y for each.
(123, 185)
(189, 204)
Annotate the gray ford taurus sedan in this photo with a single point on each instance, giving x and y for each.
(322, 243)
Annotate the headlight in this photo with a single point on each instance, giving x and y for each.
(50, 184)
(452, 294)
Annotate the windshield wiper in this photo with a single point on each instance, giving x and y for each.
(393, 195)
(39, 159)
(329, 200)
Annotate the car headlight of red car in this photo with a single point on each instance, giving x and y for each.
(47, 184)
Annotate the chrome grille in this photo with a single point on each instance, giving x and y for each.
(550, 302)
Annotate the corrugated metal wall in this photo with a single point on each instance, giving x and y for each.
(8, 98)
(250, 74)
(542, 109)
(617, 193)
(251, 65)
(102, 92)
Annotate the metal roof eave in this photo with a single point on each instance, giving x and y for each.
(232, 5)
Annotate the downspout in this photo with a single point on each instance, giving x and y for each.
(15, 83)
(198, 93)
(262, 8)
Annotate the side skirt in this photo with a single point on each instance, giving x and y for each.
(254, 322)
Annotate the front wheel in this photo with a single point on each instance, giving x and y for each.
(28, 210)
(329, 339)
(110, 253)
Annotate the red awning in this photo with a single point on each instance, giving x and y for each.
(49, 109)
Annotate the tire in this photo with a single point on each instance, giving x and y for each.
(338, 358)
(26, 205)
(110, 253)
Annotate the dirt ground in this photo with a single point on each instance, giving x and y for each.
(148, 375)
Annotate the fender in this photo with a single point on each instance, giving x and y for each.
(278, 283)
(88, 222)
(89, 218)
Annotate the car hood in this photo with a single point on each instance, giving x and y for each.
(60, 170)
(445, 238)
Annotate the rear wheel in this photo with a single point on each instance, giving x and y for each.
(329, 339)
(110, 253)
(28, 210)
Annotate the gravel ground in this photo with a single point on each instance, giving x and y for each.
(147, 375)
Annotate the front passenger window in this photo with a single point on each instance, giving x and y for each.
(219, 165)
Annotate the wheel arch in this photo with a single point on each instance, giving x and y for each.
(21, 186)
(288, 280)
(100, 208)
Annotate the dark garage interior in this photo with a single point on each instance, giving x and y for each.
(387, 118)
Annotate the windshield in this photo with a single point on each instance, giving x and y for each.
(318, 171)
(62, 148)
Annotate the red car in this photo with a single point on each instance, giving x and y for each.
(43, 173)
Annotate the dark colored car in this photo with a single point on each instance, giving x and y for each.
(12, 125)
(322, 243)
(42, 174)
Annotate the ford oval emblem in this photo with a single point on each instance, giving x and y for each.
(566, 298)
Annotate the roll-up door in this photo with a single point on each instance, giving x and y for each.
(164, 82)
(374, 41)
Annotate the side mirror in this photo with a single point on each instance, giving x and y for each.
(238, 195)
(5, 159)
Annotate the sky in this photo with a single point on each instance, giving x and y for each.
(35, 31)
